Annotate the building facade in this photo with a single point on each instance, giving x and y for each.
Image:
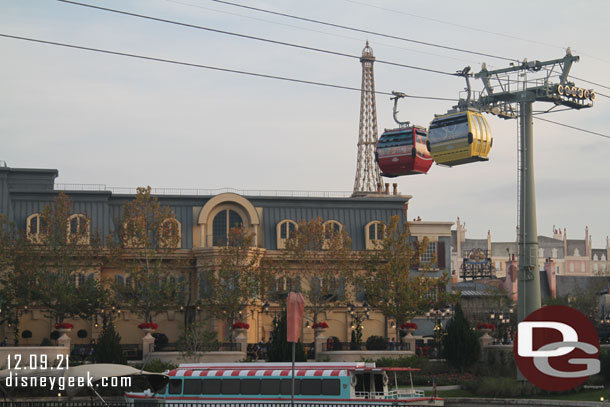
(203, 220)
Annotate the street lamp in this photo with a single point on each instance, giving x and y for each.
(358, 318)
(439, 315)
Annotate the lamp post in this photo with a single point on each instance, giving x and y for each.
(358, 317)
(502, 321)
(439, 315)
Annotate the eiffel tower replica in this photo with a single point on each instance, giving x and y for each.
(368, 176)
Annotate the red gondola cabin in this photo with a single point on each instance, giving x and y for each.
(403, 151)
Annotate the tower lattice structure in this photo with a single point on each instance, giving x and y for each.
(368, 175)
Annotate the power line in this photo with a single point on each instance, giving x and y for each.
(365, 31)
(288, 44)
(317, 31)
(592, 83)
(573, 127)
(169, 61)
(475, 29)
(472, 28)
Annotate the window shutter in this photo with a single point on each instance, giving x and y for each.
(440, 254)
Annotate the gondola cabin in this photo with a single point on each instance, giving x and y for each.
(403, 151)
(459, 138)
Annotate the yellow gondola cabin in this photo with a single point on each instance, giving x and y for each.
(459, 138)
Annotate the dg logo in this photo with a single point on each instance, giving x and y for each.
(556, 348)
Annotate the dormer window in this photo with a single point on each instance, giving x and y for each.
(285, 230)
(373, 234)
(36, 228)
(78, 229)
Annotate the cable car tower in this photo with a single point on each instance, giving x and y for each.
(510, 93)
(367, 171)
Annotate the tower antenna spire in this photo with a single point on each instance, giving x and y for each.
(368, 175)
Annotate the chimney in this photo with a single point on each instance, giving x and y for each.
(587, 243)
(565, 244)
(395, 187)
(489, 243)
(551, 275)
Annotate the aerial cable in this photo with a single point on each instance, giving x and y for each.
(366, 31)
(318, 31)
(592, 83)
(252, 37)
(169, 61)
(472, 28)
(572, 127)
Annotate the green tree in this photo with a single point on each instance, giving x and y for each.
(108, 348)
(147, 252)
(461, 344)
(68, 255)
(583, 299)
(195, 339)
(394, 280)
(232, 277)
(48, 269)
(280, 350)
(19, 270)
(321, 253)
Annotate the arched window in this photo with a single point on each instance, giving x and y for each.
(78, 229)
(285, 230)
(331, 227)
(36, 228)
(170, 235)
(373, 234)
(223, 222)
(134, 232)
(595, 258)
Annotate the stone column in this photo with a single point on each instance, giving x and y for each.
(486, 340)
(64, 339)
(320, 340)
(148, 342)
(240, 336)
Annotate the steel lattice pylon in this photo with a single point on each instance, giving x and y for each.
(367, 171)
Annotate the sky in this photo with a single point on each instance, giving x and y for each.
(125, 122)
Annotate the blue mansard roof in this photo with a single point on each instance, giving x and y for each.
(24, 192)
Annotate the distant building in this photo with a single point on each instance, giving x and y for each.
(572, 257)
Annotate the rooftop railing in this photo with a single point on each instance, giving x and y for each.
(205, 191)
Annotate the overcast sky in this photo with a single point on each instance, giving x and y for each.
(104, 119)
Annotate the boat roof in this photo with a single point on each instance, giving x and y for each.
(278, 369)
(269, 365)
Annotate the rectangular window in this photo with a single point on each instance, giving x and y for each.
(211, 386)
(270, 386)
(192, 386)
(429, 254)
(311, 387)
(230, 386)
(250, 386)
(286, 386)
(175, 386)
(331, 387)
(372, 232)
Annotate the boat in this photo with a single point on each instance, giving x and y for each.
(255, 384)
